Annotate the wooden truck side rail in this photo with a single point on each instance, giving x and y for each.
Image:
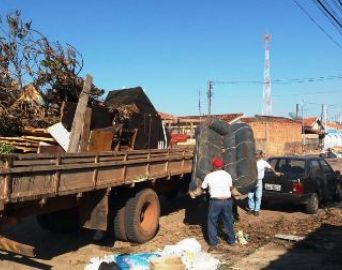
(26, 177)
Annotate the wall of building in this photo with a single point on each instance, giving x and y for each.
(277, 137)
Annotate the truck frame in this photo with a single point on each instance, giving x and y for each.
(114, 190)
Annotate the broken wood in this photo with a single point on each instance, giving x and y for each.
(21, 143)
(41, 132)
(77, 124)
(85, 130)
(39, 139)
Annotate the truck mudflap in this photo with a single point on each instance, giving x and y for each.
(16, 247)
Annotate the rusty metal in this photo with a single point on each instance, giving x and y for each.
(16, 247)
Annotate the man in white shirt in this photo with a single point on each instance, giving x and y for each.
(219, 183)
(254, 197)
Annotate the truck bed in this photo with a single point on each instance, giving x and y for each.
(27, 177)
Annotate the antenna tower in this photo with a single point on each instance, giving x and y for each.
(267, 98)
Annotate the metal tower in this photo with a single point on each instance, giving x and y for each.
(267, 98)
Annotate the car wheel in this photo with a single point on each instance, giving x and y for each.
(312, 204)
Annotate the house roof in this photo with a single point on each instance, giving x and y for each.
(266, 118)
(333, 125)
(166, 116)
(229, 118)
(309, 121)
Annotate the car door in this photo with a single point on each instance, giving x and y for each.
(315, 179)
(330, 177)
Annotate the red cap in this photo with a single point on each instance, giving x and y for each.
(217, 163)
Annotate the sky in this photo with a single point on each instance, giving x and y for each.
(172, 48)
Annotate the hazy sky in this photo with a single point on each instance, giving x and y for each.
(172, 48)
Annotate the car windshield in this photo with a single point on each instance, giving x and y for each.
(294, 168)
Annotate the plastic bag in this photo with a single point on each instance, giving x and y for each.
(138, 261)
(95, 262)
(204, 261)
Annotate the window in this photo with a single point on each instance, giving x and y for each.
(314, 165)
(273, 162)
(325, 166)
(292, 167)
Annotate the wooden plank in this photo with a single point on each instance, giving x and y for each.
(85, 130)
(16, 247)
(39, 139)
(41, 132)
(91, 154)
(78, 121)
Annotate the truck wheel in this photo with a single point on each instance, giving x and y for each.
(312, 204)
(142, 216)
(63, 221)
(119, 223)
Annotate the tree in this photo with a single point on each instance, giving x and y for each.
(28, 58)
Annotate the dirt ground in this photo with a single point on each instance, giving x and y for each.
(182, 218)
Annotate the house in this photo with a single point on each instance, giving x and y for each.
(276, 135)
(313, 133)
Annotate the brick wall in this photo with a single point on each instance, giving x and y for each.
(277, 137)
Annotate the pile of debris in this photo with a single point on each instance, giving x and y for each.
(30, 141)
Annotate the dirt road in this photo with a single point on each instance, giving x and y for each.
(183, 218)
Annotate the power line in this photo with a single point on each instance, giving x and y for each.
(327, 13)
(317, 24)
(281, 81)
(337, 5)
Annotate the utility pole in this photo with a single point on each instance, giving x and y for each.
(303, 130)
(325, 114)
(199, 104)
(322, 113)
(210, 94)
(267, 98)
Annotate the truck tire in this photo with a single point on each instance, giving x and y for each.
(142, 216)
(237, 140)
(312, 205)
(63, 221)
(119, 223)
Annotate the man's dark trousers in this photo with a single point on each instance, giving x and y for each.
(216, 208)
